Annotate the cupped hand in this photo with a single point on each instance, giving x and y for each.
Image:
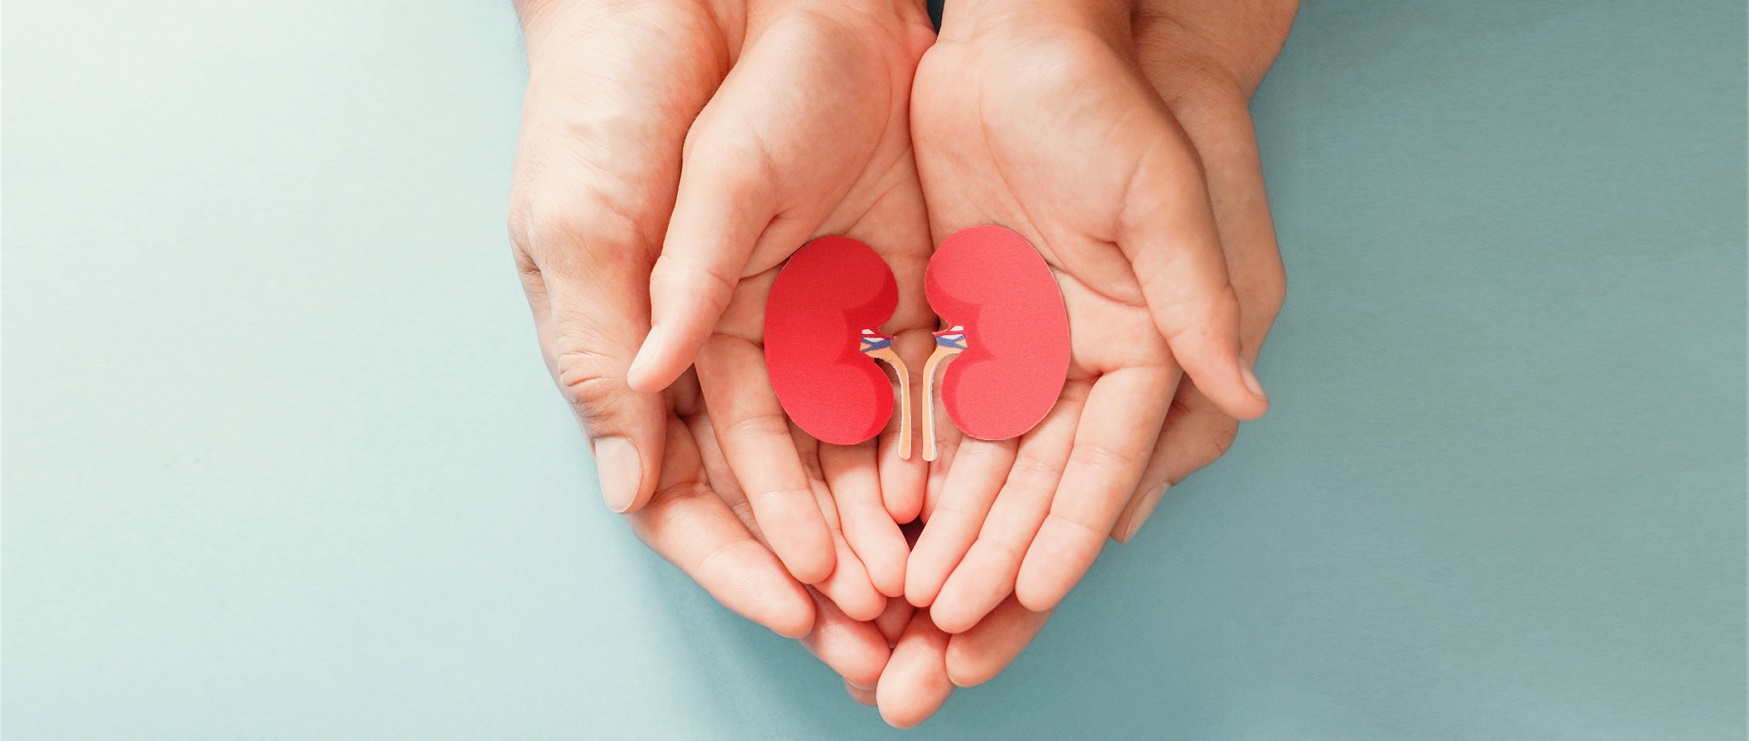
(808, 135)
(1037, 118)
(612, 93)
(1204, 59)
(612, 89)
(688, 147)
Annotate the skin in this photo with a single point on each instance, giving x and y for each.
(691, 147)
(614, 178)
(1052, 128)
(808, 135)
(1204, 60)
(633, 127)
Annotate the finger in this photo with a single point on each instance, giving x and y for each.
(848, 585)
(986, 575)
(724, 203)
(947, 444)
(588, 313)
(978, 655)
(596, 172)
(853, 476)
(853, 648)
(690, 527)
(1227, 143)
(1196, 433)
(755, 142)
(897, 228)
(754, 436)
(893, 620)
(915, 683)
(722, 479)
(859, 694)
(1167, 229)
(979, 468)
(1104, 466)
(904, 480)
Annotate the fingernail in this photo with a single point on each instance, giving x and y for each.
(1251, 382)
(647, 354)
(620, 469)
(1143, 511)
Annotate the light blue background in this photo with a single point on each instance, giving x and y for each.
(281, 461)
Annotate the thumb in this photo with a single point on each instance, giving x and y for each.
(589, 315)
(1168, 232)
(723, 205)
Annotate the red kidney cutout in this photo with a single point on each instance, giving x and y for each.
(990, 281)
(831, 290)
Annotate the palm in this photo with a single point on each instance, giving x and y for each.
(1057, 138)
(1196, 52)
(1049, 148)
(857, 488)
(812, 121)
(809, 135)
(610, 114)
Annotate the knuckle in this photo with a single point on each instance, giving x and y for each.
(1260, 282)
(1079, 528)
(1207, 450)
(1103, 459)
(1030, 467)
(743, 511)
(1005, 549)
(758, 425)
(729, 149)
(951, 507)
(1183, 404)
(1272, 289)
(1207, 317)
(553, 222)
(589, 390)
(717, 561)
(1198, 82)
(1220, 442)
(701, 280)
(1224, 301)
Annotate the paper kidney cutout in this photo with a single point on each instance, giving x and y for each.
(1007, 335)
(1007, 339)
(822, 337)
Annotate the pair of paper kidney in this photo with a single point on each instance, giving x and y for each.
(1006, 335)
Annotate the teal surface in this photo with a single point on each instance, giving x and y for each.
(281, 462)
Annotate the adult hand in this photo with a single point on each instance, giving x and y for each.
(1204, 59)
(1035, 116)
(808, 135)
(710, 127)
(612, 89)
